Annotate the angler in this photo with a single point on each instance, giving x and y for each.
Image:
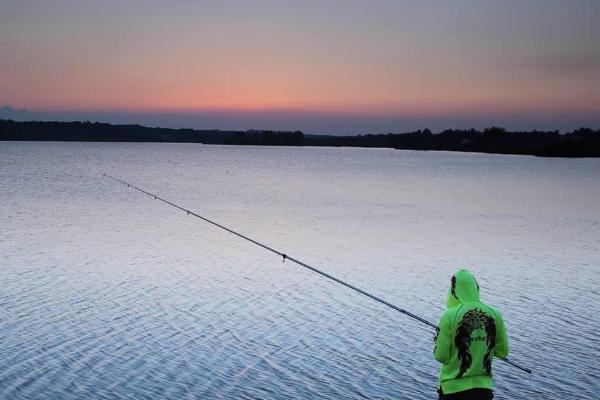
(470, 334)
(302, 264)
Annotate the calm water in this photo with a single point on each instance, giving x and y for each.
(105, 293)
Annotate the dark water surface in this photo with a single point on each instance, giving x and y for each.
(105, 293)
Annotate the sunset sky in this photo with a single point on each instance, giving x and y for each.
(321, 66)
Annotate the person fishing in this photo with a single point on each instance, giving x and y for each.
(469, 335)
(464, 290)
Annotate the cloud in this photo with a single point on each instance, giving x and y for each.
(581, 65)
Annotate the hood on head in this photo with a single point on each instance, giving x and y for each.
(463, 289)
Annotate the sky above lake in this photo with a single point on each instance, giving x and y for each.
(320, 66)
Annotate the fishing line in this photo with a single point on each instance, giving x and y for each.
(294, 260)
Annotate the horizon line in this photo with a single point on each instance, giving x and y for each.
(470, 129)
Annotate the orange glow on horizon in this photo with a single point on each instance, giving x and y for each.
(389, 60)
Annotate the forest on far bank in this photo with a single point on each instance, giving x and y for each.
(582, 142)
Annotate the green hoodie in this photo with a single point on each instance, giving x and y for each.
(470, 335)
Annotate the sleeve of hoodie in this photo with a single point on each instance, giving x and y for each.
(443, 340)
(501, 349)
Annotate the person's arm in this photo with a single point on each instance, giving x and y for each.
(443, 341)
(501, 349)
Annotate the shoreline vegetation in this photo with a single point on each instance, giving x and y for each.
(582, 142)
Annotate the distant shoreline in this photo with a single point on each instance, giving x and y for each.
(583, 142)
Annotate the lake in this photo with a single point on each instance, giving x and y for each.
(107, 293)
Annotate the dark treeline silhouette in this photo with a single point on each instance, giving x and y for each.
(102, 132)
(582, 142)
(267, 138)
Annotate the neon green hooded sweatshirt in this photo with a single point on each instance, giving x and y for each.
(470, 334)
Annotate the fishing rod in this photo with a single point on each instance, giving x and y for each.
(294, 260)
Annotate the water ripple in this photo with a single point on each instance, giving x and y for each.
(108, 295)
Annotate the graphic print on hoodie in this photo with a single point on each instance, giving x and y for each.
(471, 334)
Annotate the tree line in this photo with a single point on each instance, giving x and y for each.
(582, 142)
